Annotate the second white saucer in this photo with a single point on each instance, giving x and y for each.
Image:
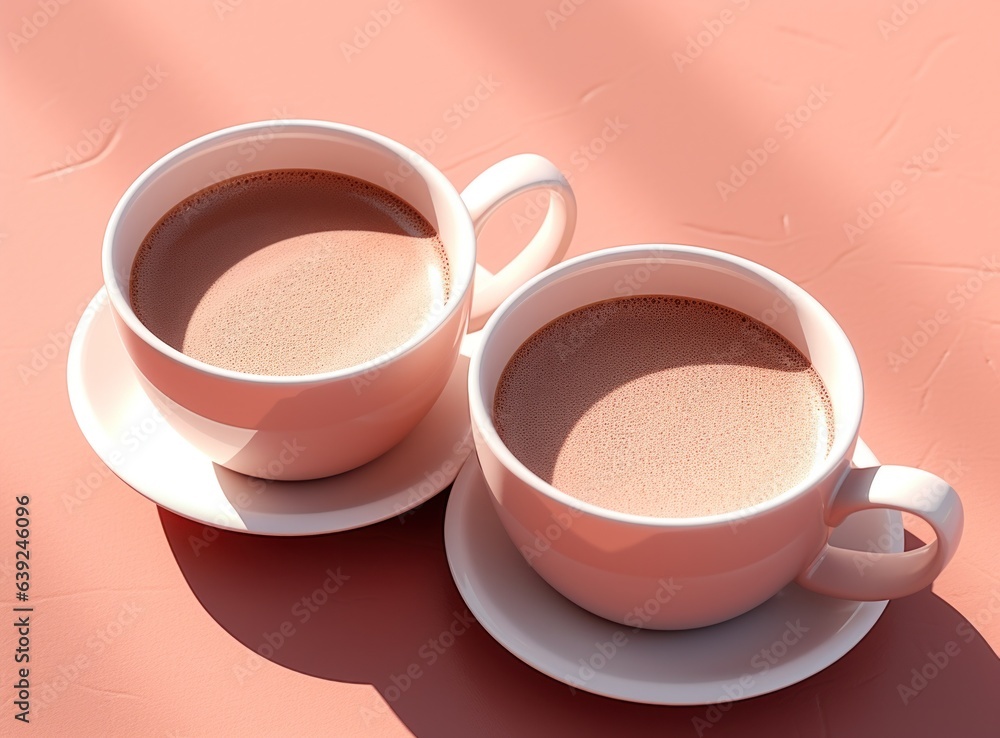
(137, 444)
(783, 641)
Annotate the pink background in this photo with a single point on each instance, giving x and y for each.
(136, 631)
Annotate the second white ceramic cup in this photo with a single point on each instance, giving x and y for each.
(703, 570)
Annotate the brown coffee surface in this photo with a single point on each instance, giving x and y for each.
(664, 406)
(289, 272)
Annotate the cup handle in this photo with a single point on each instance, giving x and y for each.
(856, 575)
(497, 185)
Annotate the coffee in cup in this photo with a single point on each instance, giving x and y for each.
(664, 406)
(289, 272)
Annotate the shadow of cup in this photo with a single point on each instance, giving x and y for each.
(378, 606)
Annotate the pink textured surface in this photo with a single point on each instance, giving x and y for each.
(140, 628)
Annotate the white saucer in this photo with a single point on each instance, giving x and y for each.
(741, 658)
(123, 427)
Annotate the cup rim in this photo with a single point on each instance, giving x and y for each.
(482, 416)
(436, 179)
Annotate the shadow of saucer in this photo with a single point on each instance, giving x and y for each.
(378, 606)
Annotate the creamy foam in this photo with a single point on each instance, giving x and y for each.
(664, 406)
(289, 272)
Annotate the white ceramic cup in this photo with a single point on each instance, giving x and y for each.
(305, 427)
(704, 570)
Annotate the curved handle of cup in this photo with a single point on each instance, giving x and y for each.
(490, 190)
(857, 575)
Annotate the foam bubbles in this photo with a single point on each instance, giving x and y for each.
(664, 406)
(289, 272)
